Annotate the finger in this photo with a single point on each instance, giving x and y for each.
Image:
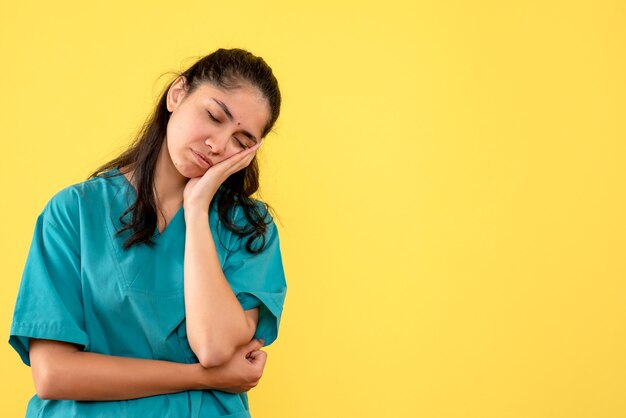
(240, 164)
(245, 154)
(254, 344)
(248, 151)
(233, 163)
(257, 354)
(237, 166)
(259, 358)
(254, 354)
(257, 145)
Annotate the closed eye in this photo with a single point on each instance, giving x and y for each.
(241, 145)
(213, 117)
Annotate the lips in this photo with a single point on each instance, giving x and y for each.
(202, 159)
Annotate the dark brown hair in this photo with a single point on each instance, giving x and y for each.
(228, 69)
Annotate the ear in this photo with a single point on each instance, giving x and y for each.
(175, 94)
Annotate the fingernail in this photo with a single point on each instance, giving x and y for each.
(262, 341)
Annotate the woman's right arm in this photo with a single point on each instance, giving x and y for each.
(62, 371)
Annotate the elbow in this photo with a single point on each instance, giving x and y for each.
(49, 366)
(213, 358)
(44, 382)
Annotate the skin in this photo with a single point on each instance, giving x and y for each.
(228, 135)
(59, 368)
(198, 123)
(61, 371)
(191, 128)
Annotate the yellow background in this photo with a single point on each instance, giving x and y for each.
(449, 179)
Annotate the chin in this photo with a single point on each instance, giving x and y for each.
(190, 170)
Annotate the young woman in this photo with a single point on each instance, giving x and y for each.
(150, 287)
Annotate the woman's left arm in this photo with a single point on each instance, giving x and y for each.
(216, 322)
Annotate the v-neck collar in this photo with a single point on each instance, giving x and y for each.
(133, 192)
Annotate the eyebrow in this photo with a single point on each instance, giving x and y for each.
(230, 116)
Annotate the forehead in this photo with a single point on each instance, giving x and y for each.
(246, 95)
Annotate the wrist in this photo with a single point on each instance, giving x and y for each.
(203, 378)
(195, 211)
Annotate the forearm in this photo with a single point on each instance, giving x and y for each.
(216, 322)
(85, 376)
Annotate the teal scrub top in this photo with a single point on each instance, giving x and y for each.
(79, 285)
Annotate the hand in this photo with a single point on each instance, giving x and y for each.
(199, 191)
(242, 372)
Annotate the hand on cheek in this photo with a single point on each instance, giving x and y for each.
(200, 190)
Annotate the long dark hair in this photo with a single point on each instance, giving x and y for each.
(225, 68)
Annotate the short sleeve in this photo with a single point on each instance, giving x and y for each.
(258, 280)
(49, 300)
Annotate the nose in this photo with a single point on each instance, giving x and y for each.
(217, 143)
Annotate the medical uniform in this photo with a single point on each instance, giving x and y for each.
(79, 285)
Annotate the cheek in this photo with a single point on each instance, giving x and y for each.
(177, 137)
(172, 141)
(230, 151)
(181, 128)
(177, 149)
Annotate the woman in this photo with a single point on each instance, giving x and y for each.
(146, 283)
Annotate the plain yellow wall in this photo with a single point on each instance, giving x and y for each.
(449, 179)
